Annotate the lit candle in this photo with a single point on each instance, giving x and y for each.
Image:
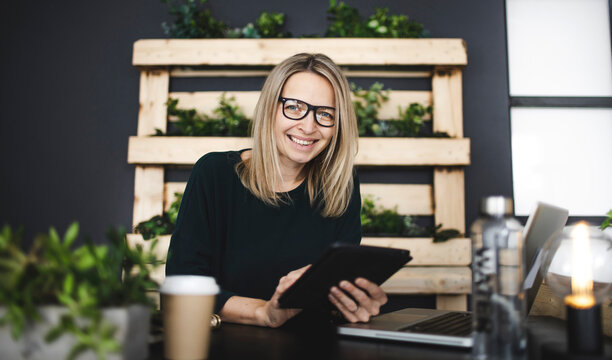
(583, 314)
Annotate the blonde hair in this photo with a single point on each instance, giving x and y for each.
(329, 176)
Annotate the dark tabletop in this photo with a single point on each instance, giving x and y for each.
(310, 341)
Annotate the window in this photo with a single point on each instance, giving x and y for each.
(560, 77)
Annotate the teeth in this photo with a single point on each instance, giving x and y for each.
(301, 142)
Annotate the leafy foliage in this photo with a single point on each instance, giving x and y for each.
(269, 25)
(192, 20)
(160, 224)
(366, 104)
(84, 279)
(228, 121)
(411, 119)
(393, 26)
(376, 221)
(346, 22)
(607, 221)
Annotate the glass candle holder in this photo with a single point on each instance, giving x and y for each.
(577, 266)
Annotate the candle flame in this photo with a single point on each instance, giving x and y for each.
(582, 273)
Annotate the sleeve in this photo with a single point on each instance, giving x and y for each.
(349, 224)
(194, 249)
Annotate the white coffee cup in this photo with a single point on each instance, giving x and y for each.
(187, 303)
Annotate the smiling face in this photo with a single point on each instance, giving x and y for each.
(300, 141)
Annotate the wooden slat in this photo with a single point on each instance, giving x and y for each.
(191, 72)
(408, 199)
(148, 193)
(449, 198)
(409, 280)
(153, 96)
(169, 189)
(430, 280)
(160, 251)
(416, 152)
(372, 151)
(191, 52)
(205, 102)
(453, 252)
(452, 302)
(448, 101)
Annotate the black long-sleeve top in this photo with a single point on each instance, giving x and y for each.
(224, 231)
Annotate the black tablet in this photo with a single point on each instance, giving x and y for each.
(342, 262)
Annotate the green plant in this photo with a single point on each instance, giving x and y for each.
(366, 104)
(410, 123)
(607, 222)
(85, 279)
(377, 220)
(229, 120)
(411, 119)
(269, 25)
(393, 26)
(346, 22)
(192, 20)
(160, 224)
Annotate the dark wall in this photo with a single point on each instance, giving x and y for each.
(69, 98)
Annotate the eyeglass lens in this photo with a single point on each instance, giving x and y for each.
(296, 110)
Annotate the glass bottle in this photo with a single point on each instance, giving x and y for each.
(498, 298)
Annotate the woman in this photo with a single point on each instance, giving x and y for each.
(251, 218)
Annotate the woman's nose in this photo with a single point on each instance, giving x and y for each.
(309, 123)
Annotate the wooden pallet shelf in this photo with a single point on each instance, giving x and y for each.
(181, 52)
(185, 150)
(440, 269)
(436, 268)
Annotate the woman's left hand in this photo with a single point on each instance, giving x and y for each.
(368, 298)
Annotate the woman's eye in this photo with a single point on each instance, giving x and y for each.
(327, 115)
(292, 107)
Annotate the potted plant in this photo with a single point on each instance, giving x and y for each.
(61, 301)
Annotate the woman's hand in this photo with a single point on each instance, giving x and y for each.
(271, 313)
(368, 298)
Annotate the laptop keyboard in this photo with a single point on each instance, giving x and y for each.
(452, 324)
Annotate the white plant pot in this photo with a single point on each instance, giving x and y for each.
(132, 332)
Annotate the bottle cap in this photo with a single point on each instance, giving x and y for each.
(496, 206)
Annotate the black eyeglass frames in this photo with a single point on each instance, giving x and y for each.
(295, 109)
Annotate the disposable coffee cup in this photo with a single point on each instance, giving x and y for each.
(187, 304)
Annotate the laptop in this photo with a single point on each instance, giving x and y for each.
(454, 328)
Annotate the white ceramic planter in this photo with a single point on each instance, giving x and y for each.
(132, 332)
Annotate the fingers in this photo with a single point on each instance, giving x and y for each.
(374, 290)
(351, 313)
(363, 304)
(286, 281)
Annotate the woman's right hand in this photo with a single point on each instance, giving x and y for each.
(271, 314)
